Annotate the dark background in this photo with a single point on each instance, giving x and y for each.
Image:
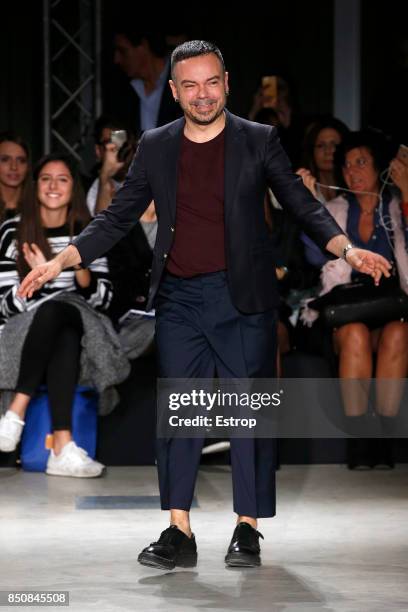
(292, 38)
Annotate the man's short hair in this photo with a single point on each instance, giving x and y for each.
(154, 38)
(194, 48)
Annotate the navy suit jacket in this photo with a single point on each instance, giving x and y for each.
(254, 160)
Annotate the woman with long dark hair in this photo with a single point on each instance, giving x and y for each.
(53, 320)
(317, 170)
(15, 176)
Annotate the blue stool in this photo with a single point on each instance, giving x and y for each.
(34, 455)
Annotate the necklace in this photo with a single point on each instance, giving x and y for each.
(367, 212)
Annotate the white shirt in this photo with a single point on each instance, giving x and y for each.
(92, 194)
(150, 104)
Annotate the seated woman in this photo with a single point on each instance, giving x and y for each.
(15, 179)
(380, 224)
(40, 338)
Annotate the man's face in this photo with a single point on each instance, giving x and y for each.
(200, 85)
(129, 58)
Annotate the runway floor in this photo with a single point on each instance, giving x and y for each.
(339, 542)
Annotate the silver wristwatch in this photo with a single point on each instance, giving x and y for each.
(346, 250)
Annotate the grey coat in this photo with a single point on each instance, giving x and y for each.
(103, 361)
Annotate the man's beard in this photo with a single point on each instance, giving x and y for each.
(205, 120)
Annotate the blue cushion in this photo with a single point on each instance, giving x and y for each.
(34, 455)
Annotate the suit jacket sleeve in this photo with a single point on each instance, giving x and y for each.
(293, 196)
(127, 206)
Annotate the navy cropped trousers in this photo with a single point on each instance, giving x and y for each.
(200, 334)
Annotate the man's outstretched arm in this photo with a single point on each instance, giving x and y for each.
(312, 216)
(362, 260)
(106, 229)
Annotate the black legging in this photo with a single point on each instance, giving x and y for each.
(51, 354)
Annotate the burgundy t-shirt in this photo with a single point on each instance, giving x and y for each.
(198, 246)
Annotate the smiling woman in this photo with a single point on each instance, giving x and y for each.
(46, 343)
(58, 202)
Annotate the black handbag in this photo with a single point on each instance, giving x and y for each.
(361, 301)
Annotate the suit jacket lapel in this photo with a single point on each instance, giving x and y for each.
(234, 141)
(171, 151)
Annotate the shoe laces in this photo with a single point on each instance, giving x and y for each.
(75, 451)
(10, 425)
(12, 417)
(258, 533)
(169, 535)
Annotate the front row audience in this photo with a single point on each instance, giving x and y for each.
(374, 218)
(43, 339)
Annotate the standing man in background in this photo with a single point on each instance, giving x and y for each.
(143, 56)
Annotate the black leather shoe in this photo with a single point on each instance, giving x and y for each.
(244, 549)
(172, 548)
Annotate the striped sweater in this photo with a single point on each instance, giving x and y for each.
(98, 294)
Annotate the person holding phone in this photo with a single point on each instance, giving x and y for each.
(115, 146)
(130, 260)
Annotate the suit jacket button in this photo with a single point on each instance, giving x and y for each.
(165, 256)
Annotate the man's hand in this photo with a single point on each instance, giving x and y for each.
(40, 275)
(369, 263)
(49, 270)
(360, 259)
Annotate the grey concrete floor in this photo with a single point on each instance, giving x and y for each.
(338, 542)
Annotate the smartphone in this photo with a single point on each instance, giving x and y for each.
(118, 138)
(402, 154)
(270, 91)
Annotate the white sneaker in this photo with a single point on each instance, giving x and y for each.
(11, 427)
(73, 461)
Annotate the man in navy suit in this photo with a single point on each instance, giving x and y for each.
(213, 281)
